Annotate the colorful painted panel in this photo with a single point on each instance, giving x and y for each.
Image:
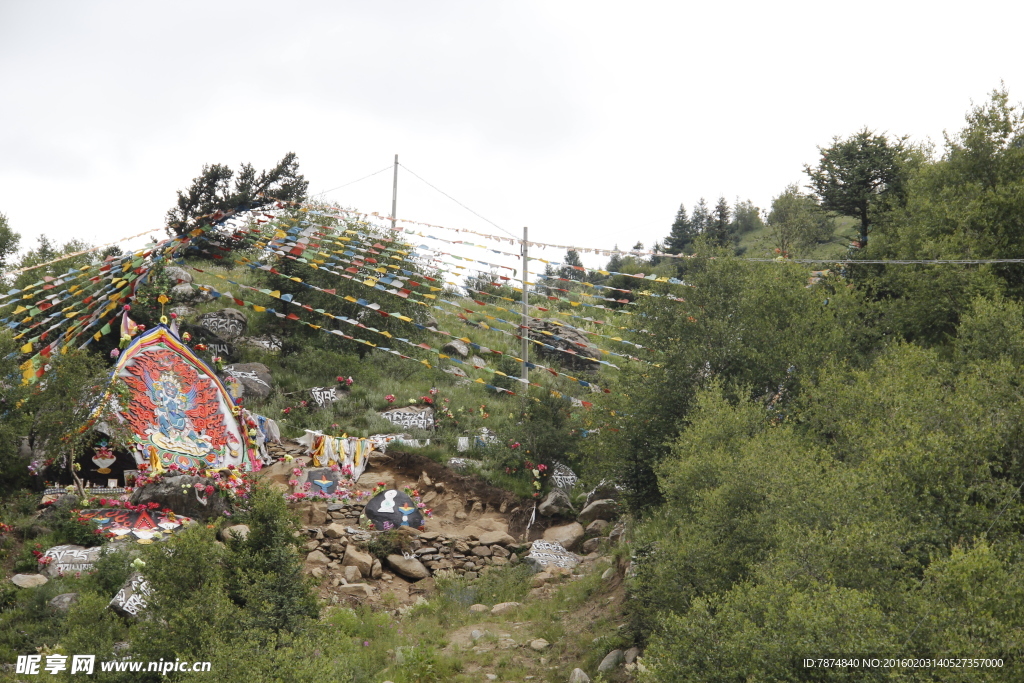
(178, 409)
(143, 525)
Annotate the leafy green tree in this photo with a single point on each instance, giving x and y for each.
(214, 191)
(47, 251)
(796, 220)
(861, 176)
(745, 218)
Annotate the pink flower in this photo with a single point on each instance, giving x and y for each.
(433, 391)
(115, 352)
(390, 398)
(209, 489)
(348, 381)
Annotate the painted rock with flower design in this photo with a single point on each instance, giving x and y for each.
(392, 509)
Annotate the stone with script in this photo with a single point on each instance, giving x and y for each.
(68, 560)
(228, 324)
(215, 345)
(392, 509)
(420, 417)
(324, 397)
(131, 599)
(254, 377)
(546, 555)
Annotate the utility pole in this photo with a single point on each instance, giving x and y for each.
(526, 301)
(394, 195)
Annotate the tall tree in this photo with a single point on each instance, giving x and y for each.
(572, 263)
(700, 217)
(214, 191)
(718, 229)
(682, 234)
(861, 175)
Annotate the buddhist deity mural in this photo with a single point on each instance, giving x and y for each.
(178, 410)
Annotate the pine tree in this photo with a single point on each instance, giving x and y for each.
(718, 228)
(682, 233)
(700, 218)
(567, 271)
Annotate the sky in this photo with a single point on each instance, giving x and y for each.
(588, 122)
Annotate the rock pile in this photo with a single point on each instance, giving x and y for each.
(571, 347)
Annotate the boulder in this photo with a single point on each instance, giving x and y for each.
(228, 323)
(477, 362)
(568, 345)
(393, 509)
(597, 527)
(496, 537)
(255, 379)
(631, 655)
(71, 559)
(181, 494)
(456, 371)
(555, 503)
(239, 530)
(456, 348)
(63, 602)
(579, 676)
(356, 590)
(131, 599)
(548, 556)
(29, 580)
(178, 275)
(599, 509)
(616, 534)
(376, 571)
(352, 574)
(317, 559)
(610, 661)
(539, 644)
(479, 608)
(361, 560)
(187, 294)
(591, 545)
(334, 530)
(505, 608)
(481, 551)
(568, 535)
(408, 567)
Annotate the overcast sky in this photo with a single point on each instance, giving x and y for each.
(589, 122)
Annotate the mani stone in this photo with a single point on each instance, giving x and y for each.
(71, 559)
(321, 480)
(227, 323)
(255, 378)
(548, 555)
(393, 508)
(131, 599)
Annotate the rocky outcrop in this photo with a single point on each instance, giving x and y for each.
(569, 346)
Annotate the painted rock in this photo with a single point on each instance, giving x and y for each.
(392, 509)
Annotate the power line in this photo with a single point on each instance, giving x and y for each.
(353, 182)
(460, 203)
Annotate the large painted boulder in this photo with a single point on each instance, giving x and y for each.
(229, 324)
(254, 378)
(393, 509)
(177, 409)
